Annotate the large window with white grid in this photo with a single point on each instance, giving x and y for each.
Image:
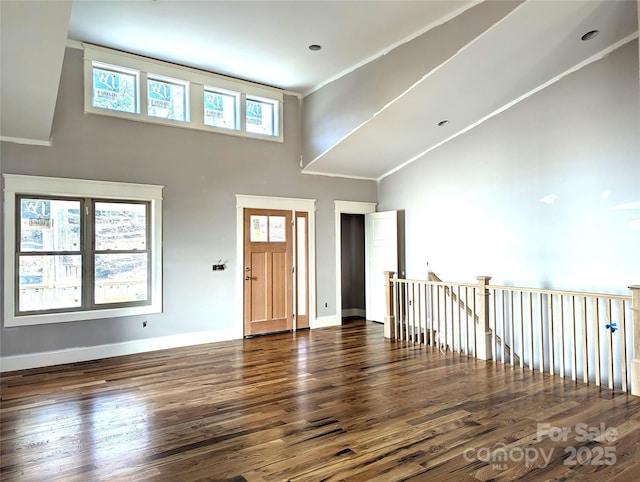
(78, 249)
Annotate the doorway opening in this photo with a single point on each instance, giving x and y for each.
(352, 267)
(345, 207)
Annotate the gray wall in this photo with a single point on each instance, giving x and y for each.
(201, 173)
(473, 205)
(352, 258)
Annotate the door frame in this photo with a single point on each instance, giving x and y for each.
(285, 204)
(346, 207)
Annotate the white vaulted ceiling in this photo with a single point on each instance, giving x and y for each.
(267, 42)
(261, 41)
(534, 45)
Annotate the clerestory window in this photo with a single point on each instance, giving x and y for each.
(262, 116)
(115, 88)
(147, 90)
(167, 99)
(221, 108)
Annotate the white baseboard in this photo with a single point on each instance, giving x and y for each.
(325, 321)
(72, 355)
(354, 312)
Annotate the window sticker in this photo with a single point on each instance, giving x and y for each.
(258, 229)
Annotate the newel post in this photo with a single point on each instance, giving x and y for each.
(635, 320)
(389, 318)
(483, 332)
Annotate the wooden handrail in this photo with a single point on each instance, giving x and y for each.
(434, 277)
(586, 294)
(454, 297)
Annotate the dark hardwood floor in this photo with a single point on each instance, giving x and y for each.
(329, 404)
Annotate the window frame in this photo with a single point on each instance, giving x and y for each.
(120, 70)
(20, 253)
(275, 117)
(237, 96)
(186, 117)
(18, 186)
(197, 81)
(92, 251)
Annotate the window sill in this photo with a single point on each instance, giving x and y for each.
(182, 124)
(44, 319)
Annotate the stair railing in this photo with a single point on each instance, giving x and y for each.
(593, 337)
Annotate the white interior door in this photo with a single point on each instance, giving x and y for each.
(381, 254)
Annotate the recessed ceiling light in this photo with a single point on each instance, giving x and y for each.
(591, 34)
(315, 47)
(443, 123)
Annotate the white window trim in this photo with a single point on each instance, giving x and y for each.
(124, 70)
(238, 99)
(171, 80)
(277, 125)
(197, 79)
(50, 186)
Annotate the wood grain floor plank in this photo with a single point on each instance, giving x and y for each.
(336, 403)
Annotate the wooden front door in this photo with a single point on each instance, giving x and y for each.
(268, 277)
